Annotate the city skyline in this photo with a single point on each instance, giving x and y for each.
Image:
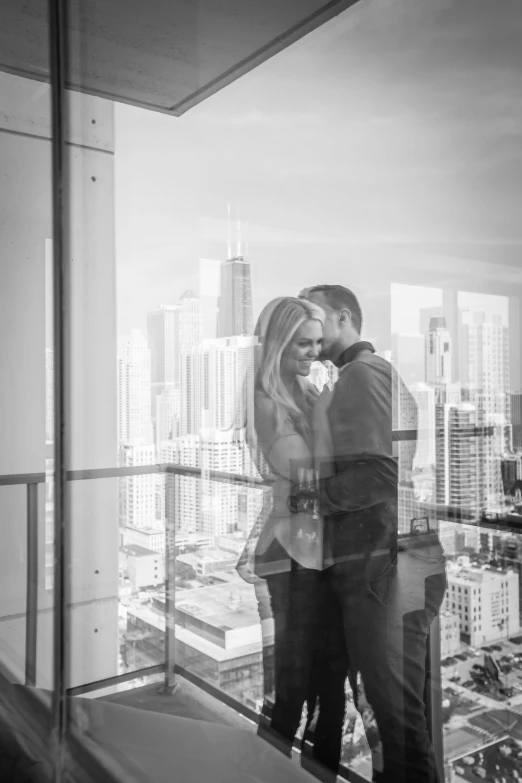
(377, 160)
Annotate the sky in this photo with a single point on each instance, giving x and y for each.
(383, 147)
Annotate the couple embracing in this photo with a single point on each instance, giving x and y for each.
(350, 599)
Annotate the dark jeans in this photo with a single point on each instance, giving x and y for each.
(309, 662)
(386, 624)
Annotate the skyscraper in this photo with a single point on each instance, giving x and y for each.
(408, 356)
(49, 396)
(484, 362)
(235, 300)
(216, 384)
(190, 320)
(163, 339)
(168, 414)
(200, 504)
(182, 493)
(425, 398)
(172, 329)
(138, 493)
(134, 395)
(516, 419)
(468, 470)
(438, 352)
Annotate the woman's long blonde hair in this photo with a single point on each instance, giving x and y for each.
(275, 330)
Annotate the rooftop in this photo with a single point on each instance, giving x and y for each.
(208, 556)
(231, 606)
(477, 574)
(134, 550)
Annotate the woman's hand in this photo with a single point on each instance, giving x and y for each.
(322, 404)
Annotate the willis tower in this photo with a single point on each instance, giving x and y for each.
(235, 300)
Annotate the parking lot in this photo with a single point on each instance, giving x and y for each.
(508, 654)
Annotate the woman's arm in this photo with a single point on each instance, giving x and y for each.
(284, 451)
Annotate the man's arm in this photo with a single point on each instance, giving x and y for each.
(361, 419)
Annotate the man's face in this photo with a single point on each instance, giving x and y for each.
(331, 328)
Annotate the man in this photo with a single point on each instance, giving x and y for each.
(386, 614)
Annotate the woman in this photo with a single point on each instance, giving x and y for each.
(288, 553)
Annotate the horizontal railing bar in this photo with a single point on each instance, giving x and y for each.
(123, 472)
(137, 470)
(221, 696)
(118, 679)
(97, 473)
(22, 478)
(448, 513)
(217, 475)
(399, 435)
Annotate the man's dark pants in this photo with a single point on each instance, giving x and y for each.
(388, 602)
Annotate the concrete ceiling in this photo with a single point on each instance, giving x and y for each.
(163, 55)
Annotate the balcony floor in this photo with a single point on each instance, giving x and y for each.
(188, 701)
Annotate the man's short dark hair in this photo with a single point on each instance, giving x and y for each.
(337, 297)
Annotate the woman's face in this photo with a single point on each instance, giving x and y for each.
(302, 350)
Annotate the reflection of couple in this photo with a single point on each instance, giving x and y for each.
(348, 599)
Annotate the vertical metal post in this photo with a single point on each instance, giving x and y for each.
(434, 696)
(31, 598)
(170, 684)
(57, 41)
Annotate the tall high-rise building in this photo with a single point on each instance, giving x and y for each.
(182, 493)
(467, 469)
(192, 374)
(172, 329)
(484, 359)
(219, 500)
(424, 396)
(438, 352)
(404, 418)
(200, 504)
(516, 419)
(322, 373)
(190, 321)
(134, 390)
(49, 395)
(217, 384)
(168, 413)
(163, 338)
(425, 316)
(235, 299)
(511, 467)
(484, 372)
(408, 357)
(138, 493)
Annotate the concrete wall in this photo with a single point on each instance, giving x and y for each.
(25, 307)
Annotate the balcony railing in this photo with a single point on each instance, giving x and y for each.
(169, 666)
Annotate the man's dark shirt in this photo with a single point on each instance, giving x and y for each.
(360, 499)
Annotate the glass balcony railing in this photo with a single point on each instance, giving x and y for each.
(183, 615)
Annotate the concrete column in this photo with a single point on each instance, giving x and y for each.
(25, 243)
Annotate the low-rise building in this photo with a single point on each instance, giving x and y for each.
(218, 637)
(486, 601)
(145, 568)
(449, 634)
(147, 537)
(202, 564)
